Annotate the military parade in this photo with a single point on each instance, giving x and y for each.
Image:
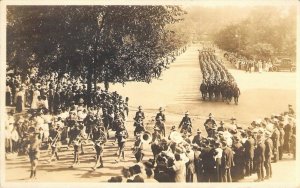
(149, 94)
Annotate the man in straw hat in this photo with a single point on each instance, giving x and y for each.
(227, 162)
(249, 146)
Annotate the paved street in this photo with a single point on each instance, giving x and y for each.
(177, 91)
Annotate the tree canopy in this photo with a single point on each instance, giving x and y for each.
(98, 43)
(266, 32)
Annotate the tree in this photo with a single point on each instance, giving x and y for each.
(265, 32)
(97, 43)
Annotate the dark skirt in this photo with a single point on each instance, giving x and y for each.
(8, 99)
(19, 105)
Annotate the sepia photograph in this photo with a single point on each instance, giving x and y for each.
(194, 92)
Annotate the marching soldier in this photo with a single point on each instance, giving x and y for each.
(139, 114)
(186, 123)
(161, 126)
(160, 114)
(99, 139)
(209, 124)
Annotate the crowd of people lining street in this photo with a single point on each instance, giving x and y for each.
(228, 152)
(218, 83)
(249, 64)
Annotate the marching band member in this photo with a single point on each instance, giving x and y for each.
(160, 114)
(186, 123)
(139, 114)
(121, 136)
(78, 137)
(161, 126)
(138, 148)
(33, 150)
(155, 147)
(99, 140)
(139, 126)
(54, 138)
(209, 124)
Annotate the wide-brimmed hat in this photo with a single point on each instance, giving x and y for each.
(161, 109)
(140, 108)
(198, 131)
(233, 118)
(187, 113)
(221, 123)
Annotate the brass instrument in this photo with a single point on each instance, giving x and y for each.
(54, 141)
(146, 137)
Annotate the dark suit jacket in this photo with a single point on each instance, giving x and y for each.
(281, 137)
(197, 140)
(227, 158)
(275, 138)
(259, 152)
(269, 149)
(207, 156)
(162, 115)
(249, 148)
(137, 115)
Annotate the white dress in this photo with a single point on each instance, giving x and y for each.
(34, 104)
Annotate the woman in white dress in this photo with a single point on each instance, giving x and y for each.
(36, 94)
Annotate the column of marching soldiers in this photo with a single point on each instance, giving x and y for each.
(228, 152)
(218, 83)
